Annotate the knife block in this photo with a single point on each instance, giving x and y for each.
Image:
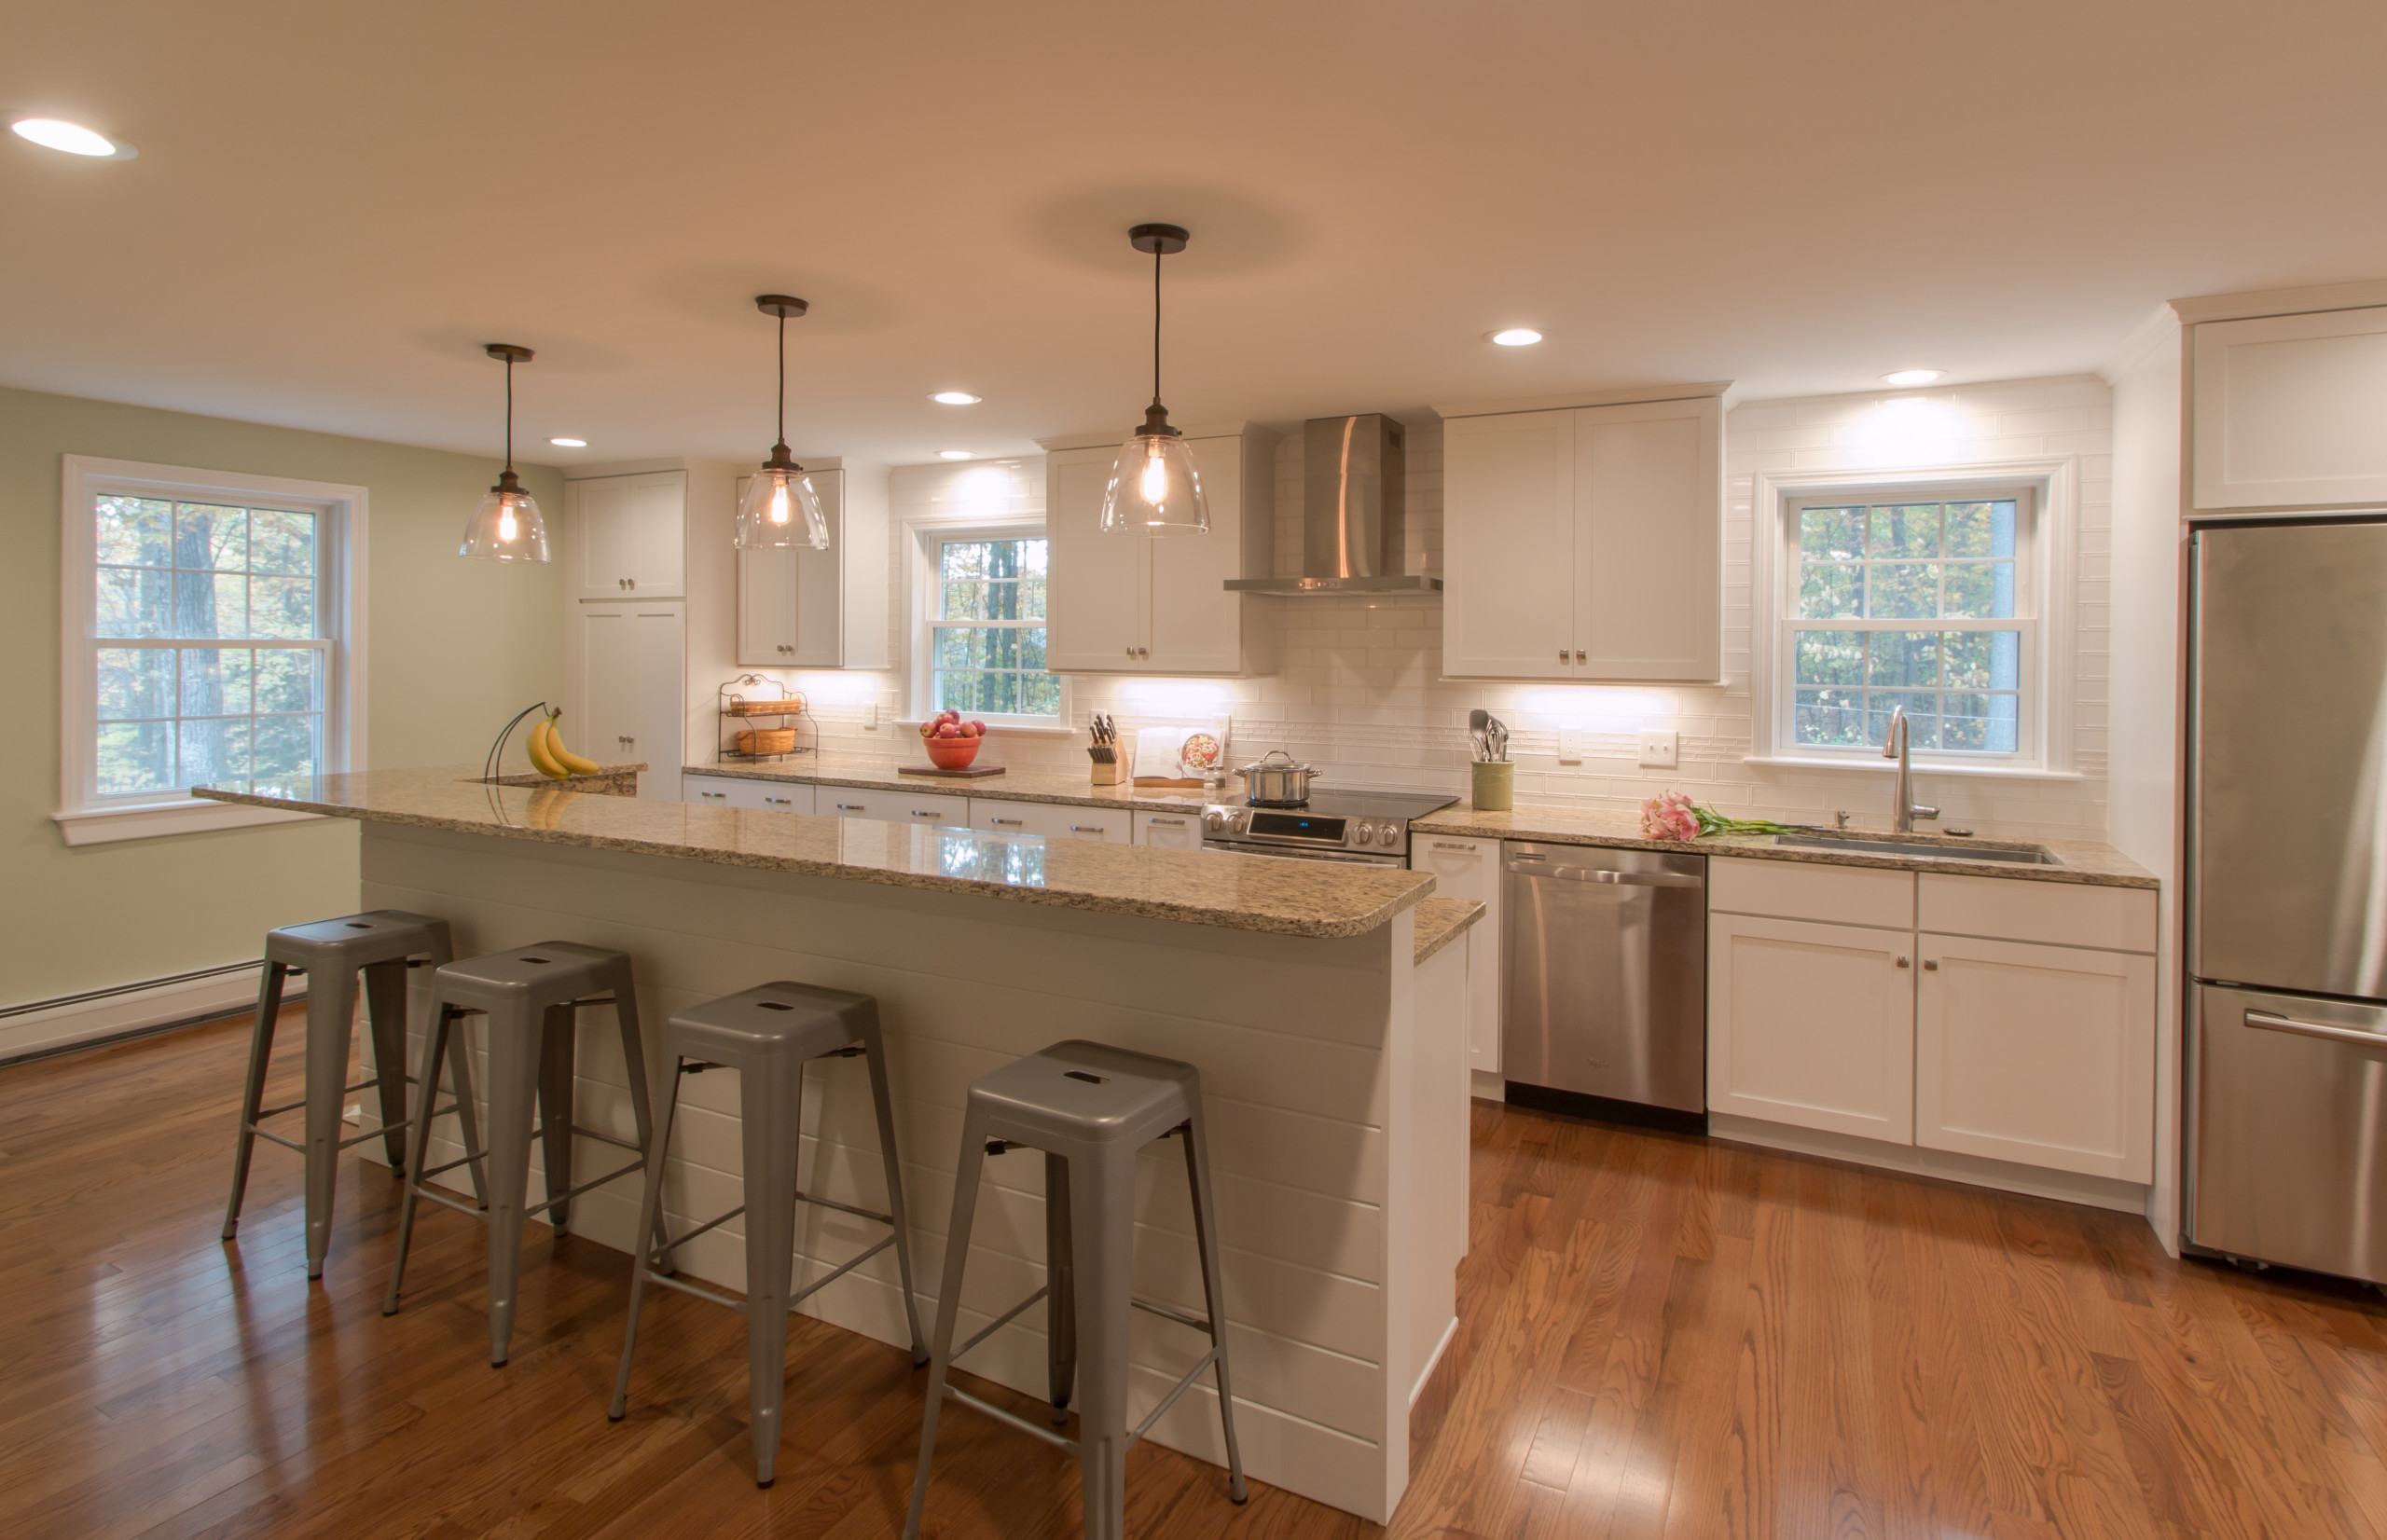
(1111, 773)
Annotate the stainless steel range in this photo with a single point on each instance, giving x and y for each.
(1369, 828)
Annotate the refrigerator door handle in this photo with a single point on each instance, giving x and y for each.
(2270, 1020)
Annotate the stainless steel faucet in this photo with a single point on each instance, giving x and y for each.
(1904, 810)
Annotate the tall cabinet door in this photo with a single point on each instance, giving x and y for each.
(1812, 1025)
(633, 701)
(607, 714)
(1196, 626)
(659, 638)
(1649, 485)
(1507, 546)
(1098, 594)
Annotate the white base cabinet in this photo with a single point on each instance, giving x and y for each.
(899, 806)
(1471, 869)
(1167, 830)
(1051, 819)
(1812, 1025)
(763, 796)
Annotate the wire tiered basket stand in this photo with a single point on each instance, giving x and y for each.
(757, 727)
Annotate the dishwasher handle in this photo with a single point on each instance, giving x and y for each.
(2270, 1020)
(1588, 873)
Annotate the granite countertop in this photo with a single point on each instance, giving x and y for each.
(2084, 861)
(1015, 784)
(1441, 921)
(1287, 897)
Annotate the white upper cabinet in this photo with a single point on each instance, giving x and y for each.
(799, 608)
(2288, 411)
(626, 535)
(1132, 604)
(1584, 542)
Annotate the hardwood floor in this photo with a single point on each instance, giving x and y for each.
(1659, 1338)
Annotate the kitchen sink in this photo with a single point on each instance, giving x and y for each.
(2021, 855)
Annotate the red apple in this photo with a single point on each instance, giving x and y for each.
(947, 730)
(977, 728)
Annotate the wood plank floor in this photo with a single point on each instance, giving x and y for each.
(1660, 1336)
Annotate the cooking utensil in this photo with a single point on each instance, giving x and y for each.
(1476, 721)
(1495, 734)
(1277, 780)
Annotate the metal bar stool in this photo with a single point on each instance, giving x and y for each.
(330, 954)
(532, 997)
(769, 1034)
(1089, 1108)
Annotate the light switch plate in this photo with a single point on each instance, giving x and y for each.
(1661, 748)
(870, 717)
(1571, 746)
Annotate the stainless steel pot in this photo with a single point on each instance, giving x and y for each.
(1278, 780)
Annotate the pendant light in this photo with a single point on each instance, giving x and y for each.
(506, 525)
(1154, 488)
(779, 497)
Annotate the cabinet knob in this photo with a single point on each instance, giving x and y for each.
(630, 584)
(1131, 651)
(1562, 654)
(1143, 652)
(1579, 652)
(1903, 963)
(1931, 965)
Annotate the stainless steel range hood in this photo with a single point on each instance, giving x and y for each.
(1352, 509)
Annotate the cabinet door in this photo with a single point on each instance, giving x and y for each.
(1507, 546)
(2039, 1055)
(899, 804)
(2286, 410)
(1094, 608)
(1168, 830)
(1812, 1025)
(767, 607)
(816, 597)
(1649, 514)
(712, 791)
(659, 725)
(783, 796)
(1052, 821)
(656, 533)
(608, 715)
(599, 512)
(1195, 626)
(1471, 869)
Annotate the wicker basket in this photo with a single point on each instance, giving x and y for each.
(787, 705)
(766, 740)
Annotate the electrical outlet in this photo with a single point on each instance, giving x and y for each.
(1661, 748)
(1570, 745)
(870, 718)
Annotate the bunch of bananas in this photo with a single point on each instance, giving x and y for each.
(549, 755)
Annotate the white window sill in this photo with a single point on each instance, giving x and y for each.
(157, 819)
(1871, 765)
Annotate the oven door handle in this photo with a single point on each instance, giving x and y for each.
(1622, 879)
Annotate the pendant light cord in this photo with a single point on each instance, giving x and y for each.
(1156, 251)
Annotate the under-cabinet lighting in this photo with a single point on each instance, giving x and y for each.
(953, 454)
(569, 443)
(956, 398)
(1911, 376)
(1517, 337)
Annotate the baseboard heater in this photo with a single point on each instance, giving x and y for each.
(95, 1018)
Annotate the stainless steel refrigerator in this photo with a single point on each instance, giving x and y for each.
(2288, 894)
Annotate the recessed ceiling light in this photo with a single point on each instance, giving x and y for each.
(956, 398)
(56, 134)
(1911, 376)
(569, 443)
(1517, 337)
(953, 454)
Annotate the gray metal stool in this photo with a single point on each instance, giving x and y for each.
(330, 954)
(530, 996)
(1089, 1108)
(769, 1034)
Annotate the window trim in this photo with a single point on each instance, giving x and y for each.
(83, 818)
(923, 571)
(2048, 571)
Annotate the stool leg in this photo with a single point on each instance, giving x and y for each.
(1102, 1214)
(1060, 1282)
(1206, 1232)
(650, 1221)
(252, 1091)
(386, 1011)
(434, 1048)
(771, 1100)
(948, 1303)
(468, 1118)
(331, 1021)
(558, 1037)
(634, 1070)
(512, 1096)
(883, 1105)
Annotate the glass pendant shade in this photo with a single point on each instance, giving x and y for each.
(780, 508)
(506, 525)
(1154, 490)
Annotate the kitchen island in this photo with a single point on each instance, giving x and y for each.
(1330, 1035)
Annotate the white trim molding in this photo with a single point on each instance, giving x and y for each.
(52, 1026)
(84, 820)
(2055, 480)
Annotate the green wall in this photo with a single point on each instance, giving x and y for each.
(453, 649)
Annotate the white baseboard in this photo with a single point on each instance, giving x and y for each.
(88, 1018)
(1433, 1361)
(1487, 1087)
(1978, 1171)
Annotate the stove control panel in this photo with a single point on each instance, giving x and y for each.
(1264, 826)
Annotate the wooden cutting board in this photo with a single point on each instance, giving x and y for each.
(970, 773)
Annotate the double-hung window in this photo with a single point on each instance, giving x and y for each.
(207, 620)
(1910, 599)
(985, 627)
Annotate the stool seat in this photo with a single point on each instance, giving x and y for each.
(358, 940)
(548, 973)
(800, 1019)
(1088, 1093)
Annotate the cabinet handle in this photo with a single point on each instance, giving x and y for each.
(925, 813)
(1931, 965)
(1173, 823)
(1085, 829)
(784, 802)
(1013, 822)
(1902, 962)
(853, 807)
(1446, 844)
(717, 796)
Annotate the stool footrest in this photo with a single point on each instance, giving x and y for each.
(371, 1134)
(558, 1202)
(846, 1208)
(819, 1284)
(456, 1203)
(697, 1289)
(1006, 1318)
(679, 1241)
(269, 1133)
(1170, 1399)
(1170, 1312)
(955, 1392)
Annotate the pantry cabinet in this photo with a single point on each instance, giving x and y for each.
(1584, 542)
(627, 690)
(2285, 411)
(1136, 604)
(1471, 869)
(799, 608)
(626, 535)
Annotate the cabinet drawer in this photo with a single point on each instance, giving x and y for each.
(2113, 919)
(1170, 830)
(1050, 820)
(1799, 891)
(899, 805)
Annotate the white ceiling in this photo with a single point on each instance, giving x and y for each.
(334, 205)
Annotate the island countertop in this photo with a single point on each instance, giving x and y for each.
(1290, 898)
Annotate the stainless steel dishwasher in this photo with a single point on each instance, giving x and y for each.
(1604, 986)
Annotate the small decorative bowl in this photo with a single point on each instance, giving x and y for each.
(952, 753)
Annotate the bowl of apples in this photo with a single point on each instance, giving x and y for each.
(952, 743)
